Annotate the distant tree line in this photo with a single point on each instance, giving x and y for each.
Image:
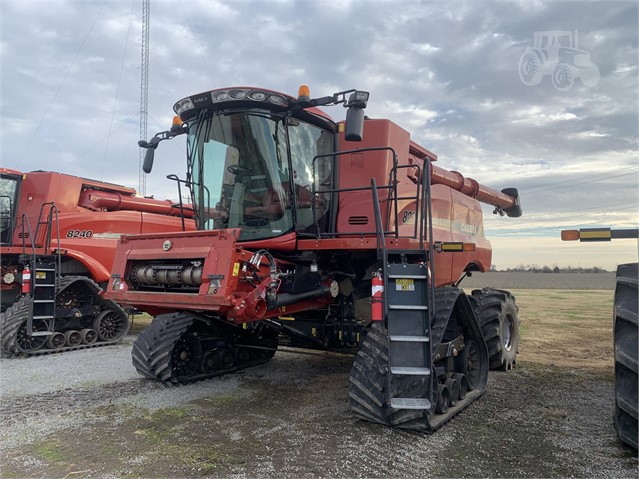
(533, 268)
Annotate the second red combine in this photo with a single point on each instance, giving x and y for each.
(325, 235)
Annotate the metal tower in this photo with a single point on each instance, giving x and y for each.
(144, 90)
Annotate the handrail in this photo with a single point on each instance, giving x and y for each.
(392, 196)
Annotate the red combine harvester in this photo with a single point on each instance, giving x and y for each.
(301, 232)
(58, 235)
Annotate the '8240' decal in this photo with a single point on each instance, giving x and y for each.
(80, 234)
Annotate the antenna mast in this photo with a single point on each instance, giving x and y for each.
(144, 90)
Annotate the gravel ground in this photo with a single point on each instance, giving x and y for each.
(88, 414)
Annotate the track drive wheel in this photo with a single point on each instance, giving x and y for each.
(625, 343)
(497, 314)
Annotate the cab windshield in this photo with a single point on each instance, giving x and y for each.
(242, 166)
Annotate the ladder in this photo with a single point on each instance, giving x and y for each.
(44, 273)
(45, 268)
(407, 316)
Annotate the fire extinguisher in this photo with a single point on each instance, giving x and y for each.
(26, 280)
(377, 291)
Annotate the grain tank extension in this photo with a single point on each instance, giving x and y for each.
(315, 234)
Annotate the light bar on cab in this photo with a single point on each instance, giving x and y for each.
(228, 96)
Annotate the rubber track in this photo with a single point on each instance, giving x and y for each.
(16, 314)
(153, 348)
(490, 304)
(625, 341)
(368, 381)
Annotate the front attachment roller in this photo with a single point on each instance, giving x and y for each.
(458, 377)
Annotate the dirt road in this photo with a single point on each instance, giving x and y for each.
(88, 414)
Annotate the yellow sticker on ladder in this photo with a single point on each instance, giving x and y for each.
(405, 285)
(236, 269)
(41, 275)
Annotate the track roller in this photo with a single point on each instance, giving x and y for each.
(89, 336)
(72, 338)
(56, 340)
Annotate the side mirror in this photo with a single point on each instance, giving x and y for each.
(354, 124)
(147, 166)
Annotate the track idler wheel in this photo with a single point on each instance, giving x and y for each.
(469, 361)
(111, 324)
(13, 330)
(89, 336)
(56, 340)
(73, 338)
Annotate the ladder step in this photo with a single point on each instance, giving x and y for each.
(407, 306)
(43, 317)
(407, 276)
(44, 269)
(44, 300)
(410, 371)
(39, 285)
(409, 339)
(41, 333)
(410, 403)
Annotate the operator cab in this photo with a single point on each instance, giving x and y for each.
(9, 189)
(261, 161)
(253, 170)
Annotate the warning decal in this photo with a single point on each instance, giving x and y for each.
(405, 285)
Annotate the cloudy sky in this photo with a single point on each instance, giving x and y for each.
(448, 72)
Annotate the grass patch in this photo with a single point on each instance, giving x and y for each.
(139, 322)
(565, 329)
(49, 451)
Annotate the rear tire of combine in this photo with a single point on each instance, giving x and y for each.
(625, 343)
(497, 314)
